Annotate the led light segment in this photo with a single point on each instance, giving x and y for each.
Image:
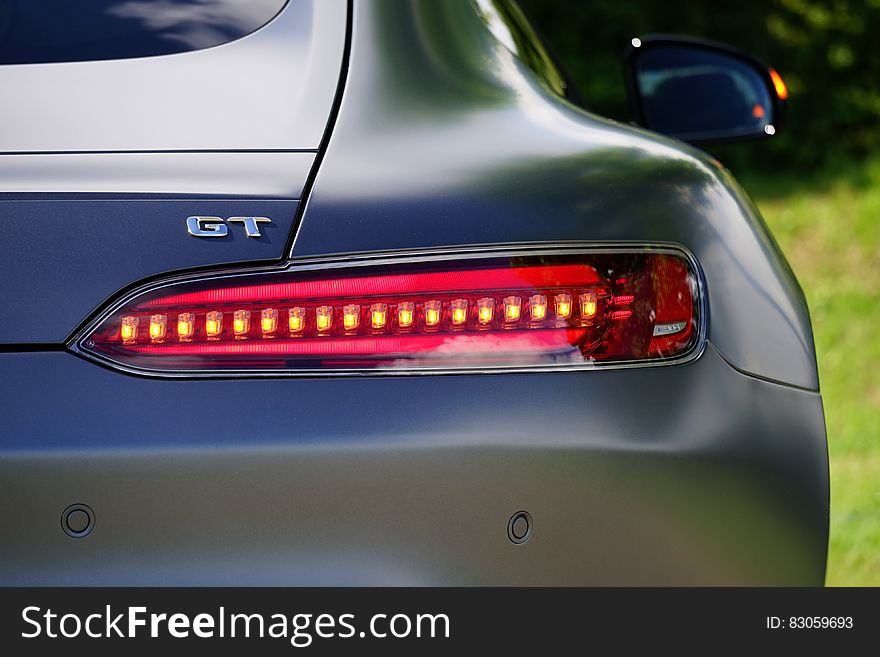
(324, 318)
(241, 324)
(186, 326)
(512, 309)
(458, 311)
(406, 312)
(351, 316)
(433, 312)
(537, 307)
(485, 310)
(158, 324)
(268, 322)
(563, 306)
(378, 315)
(589, 305)
(129, 329)
(214, 324)
(296, 319)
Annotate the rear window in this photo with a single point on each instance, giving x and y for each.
(43, 31)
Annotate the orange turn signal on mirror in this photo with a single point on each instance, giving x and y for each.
(779, 85)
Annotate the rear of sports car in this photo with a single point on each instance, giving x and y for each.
(346, 293)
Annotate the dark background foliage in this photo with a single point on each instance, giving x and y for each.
(828, 52)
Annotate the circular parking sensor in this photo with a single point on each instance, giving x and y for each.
(519, 527)
(78, 521)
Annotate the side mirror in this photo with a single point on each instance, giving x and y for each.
(700, 91)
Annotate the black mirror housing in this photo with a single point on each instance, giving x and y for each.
(700, 91)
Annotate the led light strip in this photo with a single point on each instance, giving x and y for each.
(475, 313)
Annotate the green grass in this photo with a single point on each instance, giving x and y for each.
(829, 230)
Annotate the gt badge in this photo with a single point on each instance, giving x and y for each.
(216, 227)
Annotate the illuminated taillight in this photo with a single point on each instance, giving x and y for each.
(534, 309)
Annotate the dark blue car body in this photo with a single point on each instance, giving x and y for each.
(378, 127)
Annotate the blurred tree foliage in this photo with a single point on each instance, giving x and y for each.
(828, 52)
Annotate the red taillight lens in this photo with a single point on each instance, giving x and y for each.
(522, 311)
